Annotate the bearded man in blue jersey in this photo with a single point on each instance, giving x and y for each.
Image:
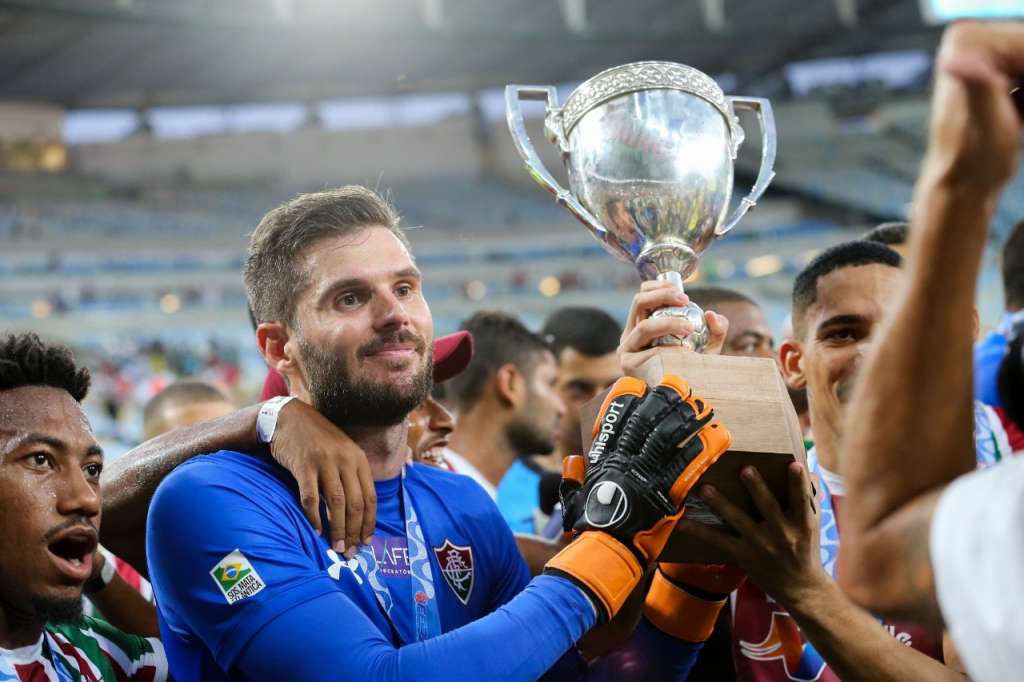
(248, 589)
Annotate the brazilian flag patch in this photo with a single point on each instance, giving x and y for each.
(236, 578)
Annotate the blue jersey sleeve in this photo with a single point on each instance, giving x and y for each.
(224, 555)
(329, 637)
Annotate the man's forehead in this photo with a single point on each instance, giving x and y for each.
(42, 409)
(742, 313)
(574, 363)
(866, 290)
(368, 254)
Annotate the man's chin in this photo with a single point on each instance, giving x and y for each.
(63, 606)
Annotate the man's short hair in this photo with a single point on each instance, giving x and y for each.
(846, 255)
(890, 234)
(589, 331)
(498, 339)
(182, 392)
(709, 297)
(1013, 267)
(25, 360)
(274, 275)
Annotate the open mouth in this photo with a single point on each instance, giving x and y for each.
(72, 553)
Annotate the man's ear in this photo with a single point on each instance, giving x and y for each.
(277, 347)
(791, 364)
(509, 385)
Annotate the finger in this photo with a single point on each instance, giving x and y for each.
(801, 495)
(738, 519)
(353, 509)
(309, 498)
(716, 537)
(647, 331)
(334, 497)
(631, 362)
(718, 329)
(646, 302)
(764, 500)
(369, 499)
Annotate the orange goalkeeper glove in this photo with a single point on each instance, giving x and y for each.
(650, 448)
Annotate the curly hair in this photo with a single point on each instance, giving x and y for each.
(25, 360)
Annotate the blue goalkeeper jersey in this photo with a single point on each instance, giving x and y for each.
(246, 589)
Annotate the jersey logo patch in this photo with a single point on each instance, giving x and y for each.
(457, 568)
(236, 578)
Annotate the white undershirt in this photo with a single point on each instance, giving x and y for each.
(977, 553)
(461, 465)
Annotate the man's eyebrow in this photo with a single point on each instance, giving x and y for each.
(837, 320)
(23, 439)
(355, 282)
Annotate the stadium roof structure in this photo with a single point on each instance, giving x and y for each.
(143, 53)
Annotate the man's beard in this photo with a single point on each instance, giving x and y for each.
(56, 610)
(525, 439)
(347, 401)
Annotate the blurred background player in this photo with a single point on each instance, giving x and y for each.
(749, 334)
(990, 351)
(506, 407)
(184, 403)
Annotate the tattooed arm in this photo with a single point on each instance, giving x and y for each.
(910, 427)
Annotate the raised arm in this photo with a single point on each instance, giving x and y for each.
(911, 420)
(320, 456)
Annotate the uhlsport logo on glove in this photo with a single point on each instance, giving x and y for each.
(607, 505)
(607, 430)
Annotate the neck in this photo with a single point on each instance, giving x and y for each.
(826, 446)
(17, 628)
(481, 439)
(385, 448)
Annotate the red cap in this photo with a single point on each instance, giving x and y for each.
(452, 354)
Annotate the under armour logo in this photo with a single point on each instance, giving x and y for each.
(334, 570)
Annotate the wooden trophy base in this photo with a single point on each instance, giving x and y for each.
(750, 398)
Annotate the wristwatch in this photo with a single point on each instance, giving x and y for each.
(266, 421)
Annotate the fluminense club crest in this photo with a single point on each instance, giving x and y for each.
(457, 568)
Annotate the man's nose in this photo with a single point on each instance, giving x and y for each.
(389, 311)
(440, 418)
(77, 495)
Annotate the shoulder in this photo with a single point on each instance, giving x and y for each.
(223, 490)
(226, 471)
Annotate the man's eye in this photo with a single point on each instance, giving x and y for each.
(93, 470)
(403, 290)
(348, 299)
(842, 335)
(39, 459)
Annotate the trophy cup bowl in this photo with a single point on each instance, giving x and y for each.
(649, 150)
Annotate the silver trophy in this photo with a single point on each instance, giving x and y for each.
(649, 149)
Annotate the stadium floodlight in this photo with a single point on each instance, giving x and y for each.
(574, 13)
(714, 15)
(941, 11)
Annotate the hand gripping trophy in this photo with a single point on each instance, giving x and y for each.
(649, 150)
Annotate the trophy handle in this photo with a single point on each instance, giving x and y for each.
(769, 140)
(534, 166)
